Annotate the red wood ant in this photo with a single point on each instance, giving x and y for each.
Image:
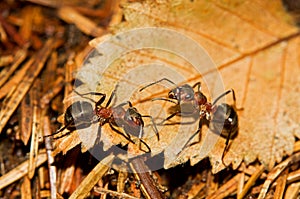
(222, 119)
(81, 114)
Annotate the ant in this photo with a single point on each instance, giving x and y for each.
(81, 114)
(222, 119)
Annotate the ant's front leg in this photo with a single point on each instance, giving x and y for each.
(154, 125)
(124, 103)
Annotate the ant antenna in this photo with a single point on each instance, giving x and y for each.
(156, 82)
(164, 99)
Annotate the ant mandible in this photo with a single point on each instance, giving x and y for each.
(222, 118)
(81, 114)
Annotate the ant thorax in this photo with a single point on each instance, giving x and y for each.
(104, 114)
(205, 111)
(188, 108)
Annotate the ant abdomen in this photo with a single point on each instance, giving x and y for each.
(79, 115)
(225, 121)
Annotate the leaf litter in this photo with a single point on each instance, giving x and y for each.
(256, 56)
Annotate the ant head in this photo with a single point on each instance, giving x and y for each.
(132, 111)
(182, 93)
(133, 115)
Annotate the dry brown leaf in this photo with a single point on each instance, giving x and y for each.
(255, 47)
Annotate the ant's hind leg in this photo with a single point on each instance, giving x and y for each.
(198, 84)
(224, 94)
(60, 130)
(100, 101)
(227, 145)
(234, 101)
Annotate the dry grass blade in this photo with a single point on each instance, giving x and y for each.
(26, 188)
(280, 188)
(276, 171)
(86, 25)
(113, 193)
(27, 116)
(25, 83)
(12, 32)
(18, 59)
(92, 178)
(251, 181)
(14, 81)
(292, 191)
(227, 189)
(20, 171)
(5, 60)
(52, 168)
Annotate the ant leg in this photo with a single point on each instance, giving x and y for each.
(198, 84)
(170, 116)
(199, 130)
(165, 99)
(226, 147)
(124, 103)
(110, 98)
(154, 125)
(60, 130)
(233, 97)
(141, 141)
(147, 146)
(224, 94)
(156, 82)
(100, 101)
(127, 137)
